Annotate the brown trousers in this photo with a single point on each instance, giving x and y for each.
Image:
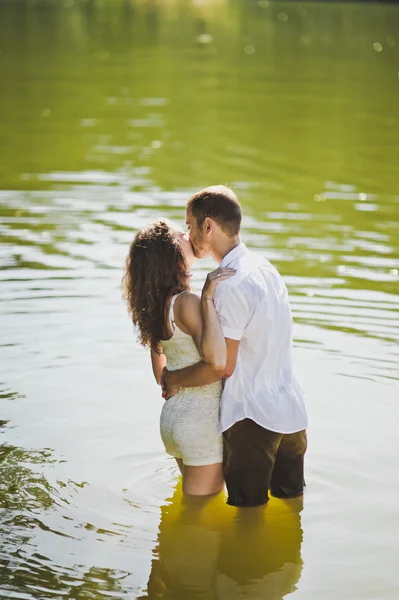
(256, 460)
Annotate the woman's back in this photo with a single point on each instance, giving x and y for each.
(190, 418)
(180, 349)
(180, 352)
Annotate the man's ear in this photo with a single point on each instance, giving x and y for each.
(208, 225)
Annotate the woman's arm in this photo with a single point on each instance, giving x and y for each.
(199, 318)
(158, 362)
(213, 343)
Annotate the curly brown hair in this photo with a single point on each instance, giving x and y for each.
(155, 269)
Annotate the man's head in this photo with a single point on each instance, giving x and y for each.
(213, 218)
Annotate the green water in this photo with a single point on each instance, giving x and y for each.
(112, 113)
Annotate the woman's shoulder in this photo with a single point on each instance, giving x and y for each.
(187, 301)
(187, 307)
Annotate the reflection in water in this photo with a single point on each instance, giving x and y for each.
(207, 550)
(37, 578)
(25, 496)
(26, 499)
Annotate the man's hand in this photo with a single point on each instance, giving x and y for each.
(168, 389)
(199, 374)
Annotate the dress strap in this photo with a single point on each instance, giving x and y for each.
(172, 312)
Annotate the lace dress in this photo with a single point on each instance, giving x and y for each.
(190, 419)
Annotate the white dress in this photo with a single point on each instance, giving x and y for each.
(190, 419)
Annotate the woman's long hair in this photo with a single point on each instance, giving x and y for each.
(155, 269)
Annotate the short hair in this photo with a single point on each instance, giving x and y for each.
(220, 204)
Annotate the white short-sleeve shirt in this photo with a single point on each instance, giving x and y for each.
(253, 307)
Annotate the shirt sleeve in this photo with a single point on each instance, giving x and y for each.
(232, 310)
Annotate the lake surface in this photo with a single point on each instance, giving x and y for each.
(112, 113)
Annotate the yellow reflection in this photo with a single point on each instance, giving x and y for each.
(209, 550)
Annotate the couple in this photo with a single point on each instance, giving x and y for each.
(224, 360)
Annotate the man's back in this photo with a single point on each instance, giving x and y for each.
(253, 307)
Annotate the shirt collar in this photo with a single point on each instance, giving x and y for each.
(233, 255)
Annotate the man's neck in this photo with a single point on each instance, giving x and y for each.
(224, 247)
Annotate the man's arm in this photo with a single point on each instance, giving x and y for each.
(199, 374)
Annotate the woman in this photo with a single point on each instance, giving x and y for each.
(180, 329)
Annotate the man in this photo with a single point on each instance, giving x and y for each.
(262, 414)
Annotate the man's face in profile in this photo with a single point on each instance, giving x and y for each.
(197, 237)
